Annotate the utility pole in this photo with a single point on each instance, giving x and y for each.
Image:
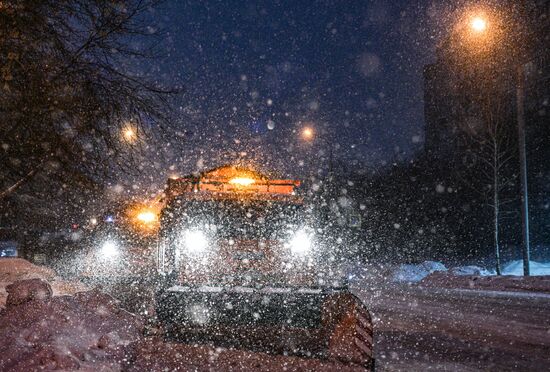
(520, 96)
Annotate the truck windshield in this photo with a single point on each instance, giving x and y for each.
(249, 219)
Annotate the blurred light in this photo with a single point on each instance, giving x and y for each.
(93, 221)
(300, 243)
(307, 133)
(109, 249)
(198, 313)
(109, 219)
(242, 181)
(478, 24)
(129, 134)
(147, 217)
(195, 241)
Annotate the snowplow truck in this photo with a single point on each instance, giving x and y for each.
(242, 268)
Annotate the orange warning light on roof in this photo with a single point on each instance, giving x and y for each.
(242, 181)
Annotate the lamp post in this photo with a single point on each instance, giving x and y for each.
(479, 26)
(520, 109)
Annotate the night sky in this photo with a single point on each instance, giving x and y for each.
(254, 73)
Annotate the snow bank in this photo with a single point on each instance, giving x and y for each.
(540, 284)
(416, 272)
(536, 268)
(13, 269)
(475, 277)
(373, 274)
(510, 268)
(86, 331)
(470, 270)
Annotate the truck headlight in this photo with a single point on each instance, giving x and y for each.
(300, 243)
(198, 314)
(195, 241)
(109, 249)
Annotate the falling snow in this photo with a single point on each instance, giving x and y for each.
(274, 186)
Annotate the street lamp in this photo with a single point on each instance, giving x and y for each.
(307, 133)
(479, 26)
(129, 134)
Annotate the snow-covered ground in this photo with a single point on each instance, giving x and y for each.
(421, 329)
(377, 273)
(536, 268)
(431, 317)
(383, 273)
(417, 327)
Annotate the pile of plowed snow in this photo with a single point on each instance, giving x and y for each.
(430, 273)
(535, 268)
(13, 269)
(540, 284)
(381, 273)
(416, 272)
(86, 331)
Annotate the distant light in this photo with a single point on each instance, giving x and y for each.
(93, 221)
(198, 313)
(479, 24)
(109, 219)
(147, 216)
(242, 181)
(307, 133)
(129, 134)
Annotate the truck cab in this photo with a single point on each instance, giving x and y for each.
(236, 227)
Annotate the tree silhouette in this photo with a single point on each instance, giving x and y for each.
(67, 90)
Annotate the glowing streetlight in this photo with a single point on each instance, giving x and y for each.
(307, 133)
(129, 134)
(478, 24)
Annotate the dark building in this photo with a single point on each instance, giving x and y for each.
(537, 118)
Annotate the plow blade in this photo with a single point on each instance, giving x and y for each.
(313, 323)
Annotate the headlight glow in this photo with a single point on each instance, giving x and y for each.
(198, 313)
(195, 241)
(300, 243)
(109, 249)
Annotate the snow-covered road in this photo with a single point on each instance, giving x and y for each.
(440, 329)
